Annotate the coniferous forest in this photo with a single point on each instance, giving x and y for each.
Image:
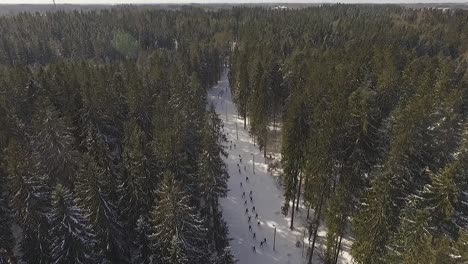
(110, 153)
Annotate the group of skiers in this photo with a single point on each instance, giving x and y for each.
(253, 210)
(249, 217)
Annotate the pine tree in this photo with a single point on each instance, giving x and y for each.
(71, 235)
(178, 234)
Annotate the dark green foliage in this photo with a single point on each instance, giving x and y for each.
(370, 101)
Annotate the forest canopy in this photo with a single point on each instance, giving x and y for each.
(110, 154)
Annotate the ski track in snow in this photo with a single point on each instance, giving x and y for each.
(267, 196)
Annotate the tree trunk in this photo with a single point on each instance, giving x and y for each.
(313, 221)
(308, 212)
(294, 200)
(215, 223)
(292, 211)
(299, 191)
(338, 248)
(274, 122)
(245, 119)
(318, 213)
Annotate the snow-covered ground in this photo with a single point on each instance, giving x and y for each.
(267, 197)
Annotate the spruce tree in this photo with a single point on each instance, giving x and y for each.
(7, 241)
(93, 195)
(72, 239)
(133, 189)
(29, 200)
(142, 252)
(178, 234)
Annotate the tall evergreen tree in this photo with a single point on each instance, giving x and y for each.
(72, 240)
(178, 235)
(93, 195)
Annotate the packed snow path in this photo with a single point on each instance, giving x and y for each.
(266, 194)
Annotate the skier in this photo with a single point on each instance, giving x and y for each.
(243, 195)
(245, 168)
(246, 179)
(264, 240)
(251, 199)
(256, 216)
(253, 208)
(241, 184)
(245, 202)
(246, 210)
(261, 244)
(250, 228)
(229, 147)
(248, 221)
(234, 145)
(253, 249)
(254, 236)
(239, 171)
(250, 192)
(258, 223)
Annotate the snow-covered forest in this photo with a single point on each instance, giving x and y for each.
(329, 134)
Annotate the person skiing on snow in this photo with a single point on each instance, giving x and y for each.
(245, 202)
(256, 216)
(250, 228)
(246, 210)
(241, 184)
(245, 168)
(253, 208)
(248, 221)
(258, 223)
(246, 179)
(243, 195)
(261, 244)
(254, 236)
(264, 240)
(251, 199)
(253, 249)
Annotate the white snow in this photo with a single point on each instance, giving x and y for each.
(267, 197)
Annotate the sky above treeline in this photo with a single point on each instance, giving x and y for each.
(218, 1)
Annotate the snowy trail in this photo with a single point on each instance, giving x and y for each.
(267, 197)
